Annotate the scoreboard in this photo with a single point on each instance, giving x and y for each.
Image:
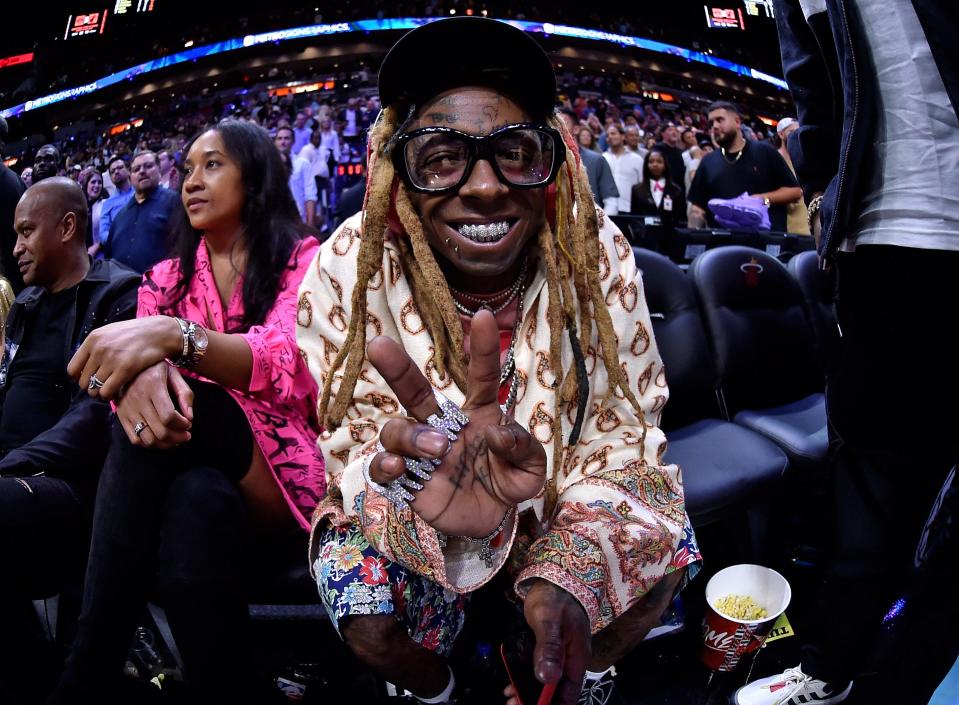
(94, 21)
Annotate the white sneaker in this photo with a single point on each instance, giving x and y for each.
(791, 687)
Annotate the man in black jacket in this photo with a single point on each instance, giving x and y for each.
(876, 85)
(53, 435)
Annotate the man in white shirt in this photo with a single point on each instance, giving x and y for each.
(302, 184)
(627, 167)
(317, 156)
(634, 138)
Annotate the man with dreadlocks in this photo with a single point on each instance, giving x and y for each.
(505, 318)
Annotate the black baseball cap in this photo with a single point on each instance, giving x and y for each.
(462, 51)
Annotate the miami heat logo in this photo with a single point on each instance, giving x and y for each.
(374, 323)
(599, 458)
(606, 419)
(304, 310)
(362, 431)
(751, 269)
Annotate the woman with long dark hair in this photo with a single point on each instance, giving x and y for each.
(657, 194)
(91, 182)
(214, 453)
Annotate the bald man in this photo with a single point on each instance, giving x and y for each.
(53, 436)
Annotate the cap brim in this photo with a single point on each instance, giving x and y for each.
(463, 51)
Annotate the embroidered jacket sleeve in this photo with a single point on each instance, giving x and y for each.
(620, 513)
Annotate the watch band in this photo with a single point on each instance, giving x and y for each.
(185, 332)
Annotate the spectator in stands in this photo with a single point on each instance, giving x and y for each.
(169, 174)
(46, 163)
(672, 147)
(54, 436)
(658, 194)
(140, 232)
(318, 157)
(877, 151)
(302, 183)
(352, 120)
(26, 176)
(466, 226)
(301, 132)
(330, 139)
(214, 460)
(797, 217)
(634, 138)
(740, 167)
(627, 167)
(585, 138)
(11, 188)
(120, 176)
(92, 184)
(601, 182)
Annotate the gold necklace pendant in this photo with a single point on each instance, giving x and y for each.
(734, 159)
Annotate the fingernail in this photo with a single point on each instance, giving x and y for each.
(431, 442)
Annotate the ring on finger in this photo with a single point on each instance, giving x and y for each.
(95, 382)
(140, 427)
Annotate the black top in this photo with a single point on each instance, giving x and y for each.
(140, 232)
(11, 188)
(38, 390)
(674, 157)
(760, 169)
(671, 208)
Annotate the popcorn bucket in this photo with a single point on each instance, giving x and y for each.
(727, 639)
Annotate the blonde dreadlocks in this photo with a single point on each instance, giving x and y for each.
(570, 256)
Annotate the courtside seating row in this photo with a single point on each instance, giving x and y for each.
(683, 245)
(743, 340)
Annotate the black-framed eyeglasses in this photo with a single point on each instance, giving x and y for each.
(441, 159)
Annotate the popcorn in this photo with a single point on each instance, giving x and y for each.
(740, 607)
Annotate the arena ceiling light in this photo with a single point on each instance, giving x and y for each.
(365, 26)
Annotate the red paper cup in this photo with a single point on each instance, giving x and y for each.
(725, 639)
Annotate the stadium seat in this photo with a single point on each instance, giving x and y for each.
(769, 375)
(817, 288)
(724, 465)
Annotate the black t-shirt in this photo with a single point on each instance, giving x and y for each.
(760, 169)
(38, 389)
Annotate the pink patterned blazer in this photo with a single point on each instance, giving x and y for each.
(280, 399)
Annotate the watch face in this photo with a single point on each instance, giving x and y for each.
(200, 338)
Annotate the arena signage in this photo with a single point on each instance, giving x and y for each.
(14, 60)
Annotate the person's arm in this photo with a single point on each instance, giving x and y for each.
(608, 191)
(309, 192)
(814, 147)
(697, 217)
(782, 195)
(617, 493)
(698, 198)
(263, 361)
(106, 218)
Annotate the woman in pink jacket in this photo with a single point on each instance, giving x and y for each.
(214, 453)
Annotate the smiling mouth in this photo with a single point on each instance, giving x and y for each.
(485, 232)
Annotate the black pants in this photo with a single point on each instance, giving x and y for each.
(893, 405)
(171, 525)
(44, 534)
